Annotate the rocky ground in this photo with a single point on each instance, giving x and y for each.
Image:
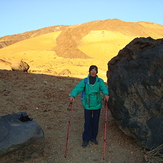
(45, 99)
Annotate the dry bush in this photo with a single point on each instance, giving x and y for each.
(155, 155)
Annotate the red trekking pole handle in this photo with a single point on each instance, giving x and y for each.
(68, 130)
(105, 125)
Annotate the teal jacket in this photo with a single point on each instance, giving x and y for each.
(92, 99)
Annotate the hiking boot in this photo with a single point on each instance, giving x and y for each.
(94, 141)
(85, 143)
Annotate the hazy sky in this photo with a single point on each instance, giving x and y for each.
(18, 16)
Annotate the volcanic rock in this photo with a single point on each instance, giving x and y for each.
(135, 80)
(20, 136)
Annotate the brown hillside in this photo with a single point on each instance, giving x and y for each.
(45, 99)
(75, 35)
(11, 39)
(72, 49)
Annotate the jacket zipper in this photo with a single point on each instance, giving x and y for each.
(89, 100)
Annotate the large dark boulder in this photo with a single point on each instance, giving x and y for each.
(135, 80)
(18, 134)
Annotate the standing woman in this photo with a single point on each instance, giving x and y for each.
(92, 102)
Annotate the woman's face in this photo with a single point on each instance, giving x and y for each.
(93, 72)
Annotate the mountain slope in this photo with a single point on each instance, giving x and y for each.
(12, 39)
(70, 50)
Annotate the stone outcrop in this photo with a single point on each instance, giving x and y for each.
(20, 66)
(20, 137)
(65, 72)
(135, 80)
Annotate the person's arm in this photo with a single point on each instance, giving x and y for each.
(77, 89)
(104, 89)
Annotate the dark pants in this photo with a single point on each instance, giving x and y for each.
(91, 124)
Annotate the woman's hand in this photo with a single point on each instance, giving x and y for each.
(72, 99)
(107, 98)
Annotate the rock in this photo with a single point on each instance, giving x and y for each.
(65, 72)
(20, 139)
(20, 66)
(135, 80)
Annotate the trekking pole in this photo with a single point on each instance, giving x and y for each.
(105, 120)
(68, 130)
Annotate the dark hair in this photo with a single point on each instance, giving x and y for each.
(93, 67)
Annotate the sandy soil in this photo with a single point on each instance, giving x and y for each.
(45, 99)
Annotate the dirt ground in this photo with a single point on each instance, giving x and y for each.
(45, 99)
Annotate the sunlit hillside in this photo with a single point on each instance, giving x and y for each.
(71, 50)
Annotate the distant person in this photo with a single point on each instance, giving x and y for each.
(92, 102)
